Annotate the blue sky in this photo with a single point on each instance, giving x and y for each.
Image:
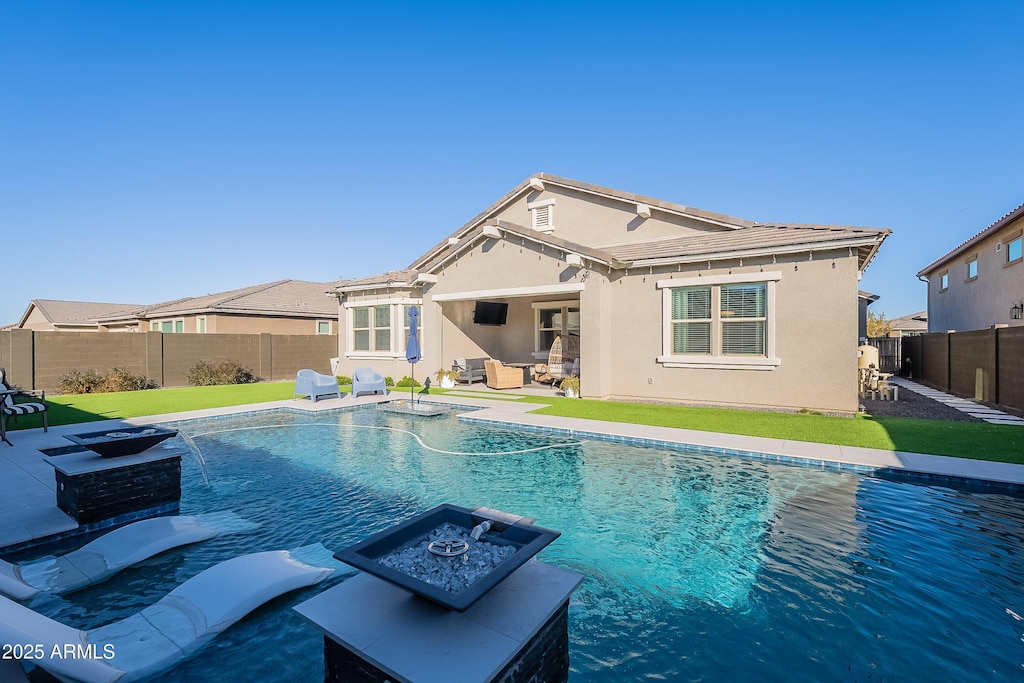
(155, 150)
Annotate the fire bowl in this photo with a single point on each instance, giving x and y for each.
(114, 443)
(505, 530)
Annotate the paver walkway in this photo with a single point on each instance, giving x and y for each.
(996, 417)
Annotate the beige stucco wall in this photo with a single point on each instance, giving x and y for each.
(815, 337)
(597, 221)
(985, 301)
(36, 321)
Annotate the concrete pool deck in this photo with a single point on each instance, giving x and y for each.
(28, 508)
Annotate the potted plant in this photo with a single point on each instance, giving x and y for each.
(446, 378)
(570, 386)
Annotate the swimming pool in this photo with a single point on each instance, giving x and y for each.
(698, 567)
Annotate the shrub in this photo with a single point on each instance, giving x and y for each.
(344, 379)
(405, 382)
(205, 374)
(389, 381)
(92, 382)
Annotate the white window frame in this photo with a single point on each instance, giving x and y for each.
(156, 325)
(544, 207)
(944, 281)
(319, 322)
(398, 328)
(768, 361)
(201, 324)
(542, 353)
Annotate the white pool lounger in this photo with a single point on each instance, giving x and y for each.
(175, 627)
(99, 560)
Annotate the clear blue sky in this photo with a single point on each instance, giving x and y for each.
(155, 150)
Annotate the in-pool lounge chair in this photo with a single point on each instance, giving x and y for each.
(368, 381)
(313, 384)
(98, 560)
(176, 626)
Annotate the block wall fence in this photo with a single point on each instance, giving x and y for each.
(37, 360)
(982, 365)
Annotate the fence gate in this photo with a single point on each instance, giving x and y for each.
(888, 353)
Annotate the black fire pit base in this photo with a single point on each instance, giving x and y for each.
(518, 632)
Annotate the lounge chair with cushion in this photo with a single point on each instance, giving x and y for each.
(503, 377)
(470, 369)
(368, 381)
(9, 408)
(176, 626)
(313, 384)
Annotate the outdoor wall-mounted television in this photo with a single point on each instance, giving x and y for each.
(490, 313)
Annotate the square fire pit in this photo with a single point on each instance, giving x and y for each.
(448, 573)
(114, 443)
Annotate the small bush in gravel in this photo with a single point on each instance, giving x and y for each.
(205, 374)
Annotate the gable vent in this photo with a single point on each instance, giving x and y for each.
(542, 218)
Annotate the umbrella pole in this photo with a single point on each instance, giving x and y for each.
(412, 384)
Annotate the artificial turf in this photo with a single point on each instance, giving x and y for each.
(975, 440)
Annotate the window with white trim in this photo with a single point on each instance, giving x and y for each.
(379, 328)
(168, 326)
(944, 282)
(551, 319)
(723, 321)
(323, 326)
(201, 324)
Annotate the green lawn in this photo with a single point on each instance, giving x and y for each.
(975, 440)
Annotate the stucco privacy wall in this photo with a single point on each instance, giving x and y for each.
(37, 360)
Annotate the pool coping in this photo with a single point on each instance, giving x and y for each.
(28, 510)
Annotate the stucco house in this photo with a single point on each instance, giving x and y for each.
(291, 307)
(980, 283)
(53, 315)
(908, 325)
(671, 303)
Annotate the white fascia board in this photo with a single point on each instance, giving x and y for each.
(511, 292)
(751, 253)
(381, 302)
(770, 276)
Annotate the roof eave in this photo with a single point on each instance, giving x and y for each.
(995, 227)
(873, 241)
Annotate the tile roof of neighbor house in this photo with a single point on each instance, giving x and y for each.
(1002, 222)
(741, 238)
(914, 321)
(77, 313)
(281, 298)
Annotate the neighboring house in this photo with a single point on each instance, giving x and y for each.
(291, 307)
(915, 323)
(981, 282)
(671, 303)
(51, 315)
(864, 299)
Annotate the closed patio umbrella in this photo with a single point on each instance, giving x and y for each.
(412, 348)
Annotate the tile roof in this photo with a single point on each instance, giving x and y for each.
(397, 278)
(737, 237)
(280, 298)
(1002, 222)
(60, 312)
(755, 240)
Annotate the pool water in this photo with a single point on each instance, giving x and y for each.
(698, 568)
